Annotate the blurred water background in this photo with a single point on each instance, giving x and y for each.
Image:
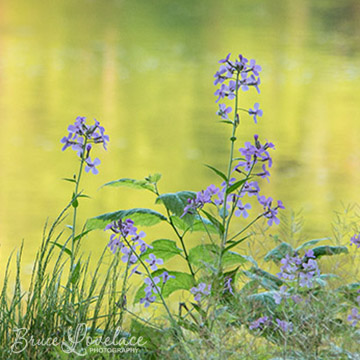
(145, 70)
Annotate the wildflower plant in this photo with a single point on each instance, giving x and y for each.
(213, 265)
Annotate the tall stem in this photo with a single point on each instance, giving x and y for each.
(75, 207)
(232, 139)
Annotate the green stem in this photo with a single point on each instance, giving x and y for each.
(180, 237)
(232, 139)
(75, 208)
(174, 323)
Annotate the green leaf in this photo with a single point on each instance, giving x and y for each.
(163, 248)
(66, 250)
(310, 243)
(234, 243)
(78, 237)
(208, 255)
(198, 224)
(214, 221)
(70, 180)
(217, 172)
(265, 279)
(75, 202)
(140, 216)
(132, 183)
(262, 300)
(329, 250)
(176, 202)
(279, 252)
(182, 281)
(235, 186)
(153, 178)
(75, 273)
(227, 122)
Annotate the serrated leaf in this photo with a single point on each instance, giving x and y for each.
(208, 255)
(329, 250)
(279, 252)
(310, 243)
(131, 183)
(176, 202)
(140, 216)
(217, 172)
(182, 281)
(198, 224)
(163, 248)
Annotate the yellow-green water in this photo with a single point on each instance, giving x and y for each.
(145, 70)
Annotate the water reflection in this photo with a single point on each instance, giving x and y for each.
(145, 70)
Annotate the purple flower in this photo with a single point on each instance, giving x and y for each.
(148, 299)
(152, 285)
(128, 256)
(256, 112)
(241, 209)
(354, 317)
(221, 93)
(264, 174)
(355, 240)
(219, 75)
(153, 262)
(80, 134)
(254, 68)
(222, 61)
(224, 111)
(228, 287)
(202, 289)
(165, 276)
(91, 165)
(281, 294)
(260, 323)
(285, 326)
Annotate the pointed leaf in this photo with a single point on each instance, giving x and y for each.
(214, 221)
(217, 172)
(329, 250)
(66, 250)
(310, 243)
(208, 255)
(199, 224)
(163, 248)
(279, 252)
(131, 183)
(176, 203)
(235, 186)
(142, 217)
(182, 281)
(70, 180)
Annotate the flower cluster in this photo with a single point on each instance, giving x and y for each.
(303, 269)
(266, 321)
(201, 290)
(201, 198)
(152, 288)
(234, 75)
(355, 240)
(80, 138)
(130, 243)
